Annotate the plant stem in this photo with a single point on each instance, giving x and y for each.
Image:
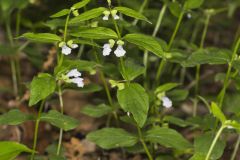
(134, 23)
(163, 62)
(156, 29)
(12, 60)
(61, 108)
(144, 144)
(198, 68)
(36, 129)
(226, 81)
(233, 156)
(18, 21)
(214, 142)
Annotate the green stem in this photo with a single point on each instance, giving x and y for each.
(18, 21)
(13, 65)
(233, 156)
(134, 23)
(156, 29)
(163, 62)
(61, 108)
(198, 68)
(36, 129)
(214, 142)
(144, 144)
(226, 81)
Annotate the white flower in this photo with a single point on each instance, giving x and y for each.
(78, 81)
(74, 76)
(167, 103)
(66, 50)
(74, 46)
(106, 17)
(116, 17)
(74, 73)
(106, 49)
(120, 52)
(189, 15)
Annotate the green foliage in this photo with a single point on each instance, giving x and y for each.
(202, 145)
(216, 111)
(97, 111)
(167, 137)
(42, 37)
(15, 117)
(193, 4)
(134, 99)
(146, 42)
(81, 4)
(93, 13)
(41, 87)
(109, 138)
(131, 13)
(96, 33)
(10, 150)
(60, 13)
(59, 120)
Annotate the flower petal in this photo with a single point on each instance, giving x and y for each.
(74, 73)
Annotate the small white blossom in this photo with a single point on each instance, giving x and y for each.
(78, 81)
(74, 73)
(128, 114)
(167, 103)
(106, 17)
(120, 52)
(74, 46)
(116, 17)
(189, 15)
(66, 50)
(106, 49)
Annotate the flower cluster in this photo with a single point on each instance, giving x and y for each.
(74, 76)
(112, 12)
(119, 52)
(67, 47)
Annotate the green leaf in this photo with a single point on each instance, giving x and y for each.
(178, 94)
(7, 50)
(41, 87)
(86, 42)
(10, 150)
(80, 65)
(146, 42)
(208, 56)
(216, 111)
(81, 4)
(42, 37)
(14, 117)
(236, 64)
(109, 138)
(96, 111)
(90, 88)
(193, 4)
(131, 13)
(60, 13)
(175, 8)
(167, 137)
(132, 70)
(203, 143)
(176, 121)
(135, 100)
(59, 120)
(166, 87)
(94, 13)
(96, 33)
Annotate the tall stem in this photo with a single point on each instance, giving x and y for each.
(226, 81)
(61, 108)
(214, 142)
(12, 61)
(156, 29)
(233, 156)
(36, 129)
(144, 144)
(134, 23)
(163, 62)
(198, 68)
